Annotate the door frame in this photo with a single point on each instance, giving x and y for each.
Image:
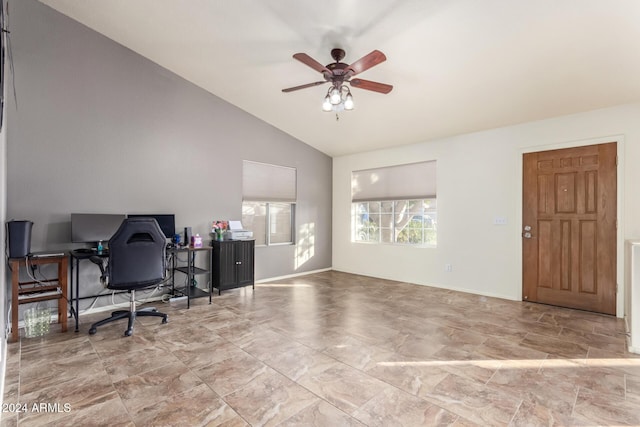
(619, 140)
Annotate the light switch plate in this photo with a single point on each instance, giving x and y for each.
(500, 220)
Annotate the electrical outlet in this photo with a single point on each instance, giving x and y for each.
(448, 268)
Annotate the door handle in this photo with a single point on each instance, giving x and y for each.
(527, 232)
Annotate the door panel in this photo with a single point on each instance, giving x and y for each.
(245, 257)
(569, 253)
(225, 270)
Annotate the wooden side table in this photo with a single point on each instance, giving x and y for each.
(42, 290)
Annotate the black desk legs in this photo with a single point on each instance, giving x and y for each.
(70, 302)
(75, 293)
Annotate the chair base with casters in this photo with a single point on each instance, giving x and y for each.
(130, 314)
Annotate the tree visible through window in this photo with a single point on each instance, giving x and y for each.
(411, 222)
(395, 204)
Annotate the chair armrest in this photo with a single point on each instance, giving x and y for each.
(99, 262)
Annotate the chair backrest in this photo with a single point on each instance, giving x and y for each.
(137, 254)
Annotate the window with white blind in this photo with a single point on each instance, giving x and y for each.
(395, 204)
(268, 202)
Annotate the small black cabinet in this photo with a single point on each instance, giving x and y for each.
(232, 264)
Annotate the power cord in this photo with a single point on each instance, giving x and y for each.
(31, 268)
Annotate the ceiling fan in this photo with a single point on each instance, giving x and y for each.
(338, 73)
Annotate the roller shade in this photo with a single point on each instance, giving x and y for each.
(401, 182)
(269, 183)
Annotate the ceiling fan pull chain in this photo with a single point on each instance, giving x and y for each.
(337, 117)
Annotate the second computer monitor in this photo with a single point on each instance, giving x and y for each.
(167, 222)
(92, 228)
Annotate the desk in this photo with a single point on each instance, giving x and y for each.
(76, 257)
(35, 291)
(190, 270)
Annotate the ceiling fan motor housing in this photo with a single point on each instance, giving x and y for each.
(337, 54)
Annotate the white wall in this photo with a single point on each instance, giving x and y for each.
(4, 290)
(479, 178)
(632, 293)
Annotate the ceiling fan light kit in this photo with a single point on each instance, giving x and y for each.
(335, 98)
(338, 74)
(338, 99)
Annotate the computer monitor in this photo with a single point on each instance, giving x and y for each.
(91, 228)
(167, 222)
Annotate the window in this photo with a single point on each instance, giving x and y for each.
(410, 222)
(278, 216)
(268, 205)
(395, 204)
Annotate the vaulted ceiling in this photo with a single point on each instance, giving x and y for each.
(457, 66)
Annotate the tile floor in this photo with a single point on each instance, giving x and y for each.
(332, 349)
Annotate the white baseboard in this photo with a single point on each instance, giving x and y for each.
(436, 285)
(118, 306)
(160, 297)
(288, 276)
(627, 329)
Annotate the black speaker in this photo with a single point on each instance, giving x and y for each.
(19, 233)
(187, 236)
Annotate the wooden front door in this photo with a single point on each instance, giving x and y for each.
(569, 227)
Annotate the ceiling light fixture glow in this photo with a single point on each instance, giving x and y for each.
(326, 105)
(338, 98)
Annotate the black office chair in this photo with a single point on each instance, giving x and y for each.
(137, 260)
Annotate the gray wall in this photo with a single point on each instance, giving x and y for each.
(98, 128)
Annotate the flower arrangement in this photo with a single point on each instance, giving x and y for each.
(218, 227)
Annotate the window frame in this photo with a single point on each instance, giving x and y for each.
(425, 212)
(399, 183)
(269, 184)
(267, 225)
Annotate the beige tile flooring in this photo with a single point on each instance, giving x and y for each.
(332, 349)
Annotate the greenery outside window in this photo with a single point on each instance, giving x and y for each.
(409, 222)
(395, 204)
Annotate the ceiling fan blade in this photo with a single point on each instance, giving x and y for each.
(366, 62)
(369, 85)
(291, 89)
(309, 61)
